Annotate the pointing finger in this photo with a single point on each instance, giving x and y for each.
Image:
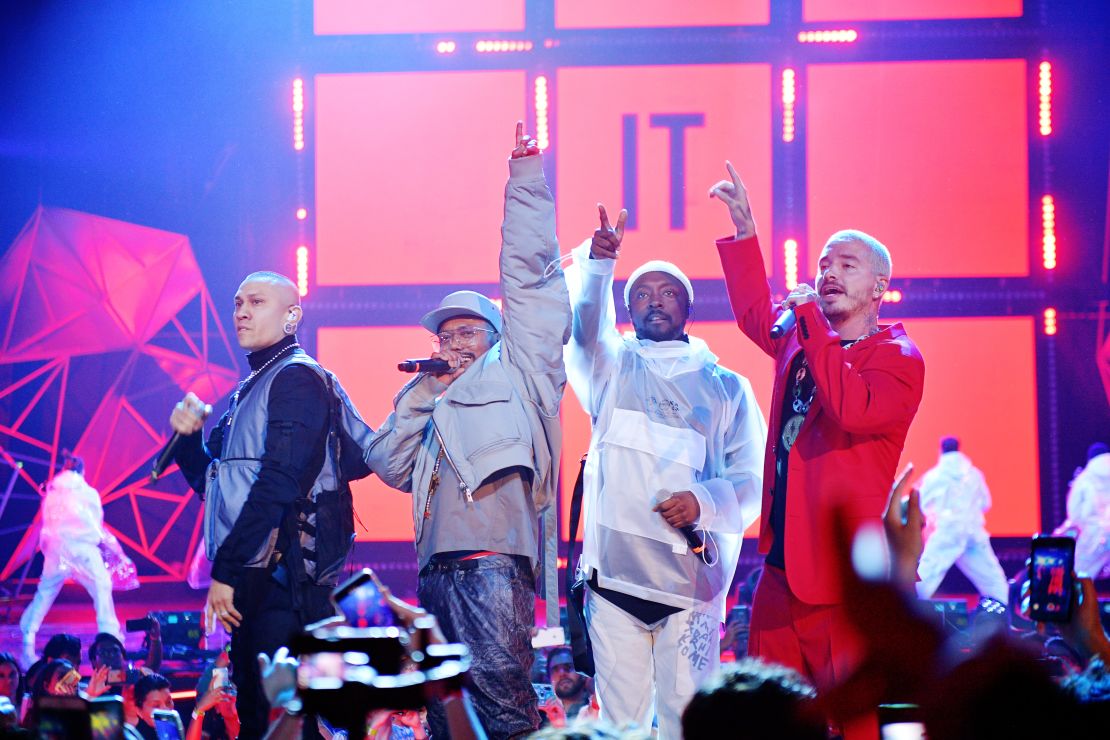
(519, 132)
(604, 217)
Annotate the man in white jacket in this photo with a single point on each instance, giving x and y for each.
(954, 497)
(677, 442)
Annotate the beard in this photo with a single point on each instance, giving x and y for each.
(570, 687)
(659, 331)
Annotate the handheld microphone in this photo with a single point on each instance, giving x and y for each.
(425, 365)
(166, 455)
(784, 324)
(691, 535)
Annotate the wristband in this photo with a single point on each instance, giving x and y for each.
(198, 715)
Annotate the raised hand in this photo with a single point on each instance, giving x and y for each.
(606, 244)
(733, 194)
(526, 146)
(801, 294)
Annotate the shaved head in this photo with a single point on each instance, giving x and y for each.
(287, 289)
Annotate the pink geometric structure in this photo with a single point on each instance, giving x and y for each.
(107, 325)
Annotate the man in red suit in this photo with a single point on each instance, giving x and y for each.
(846, 390)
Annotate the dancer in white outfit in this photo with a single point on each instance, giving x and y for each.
(954, 497)
(1089, 513)
(72, 530)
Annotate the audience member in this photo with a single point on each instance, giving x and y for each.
(573, 689)
(11, 678)
(754, 700)
(151, 692)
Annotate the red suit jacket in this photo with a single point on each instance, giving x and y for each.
(847, 450)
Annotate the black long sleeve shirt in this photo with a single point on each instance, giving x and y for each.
(293, 453)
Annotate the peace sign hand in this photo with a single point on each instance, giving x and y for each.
(606, 243)
(734, 195)
(526, 146)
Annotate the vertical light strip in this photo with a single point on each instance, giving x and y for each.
(790, 262)
(298, 114)
(1050, 322)
(1044, 96)
(543, 137)
(789, 97)
(1048, 229)
(302, 270)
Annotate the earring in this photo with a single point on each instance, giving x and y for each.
(290, 327)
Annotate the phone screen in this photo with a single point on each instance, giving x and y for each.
(106, 717)
(1050, 578)
(544, 692)
(362, 601)
(167, 724)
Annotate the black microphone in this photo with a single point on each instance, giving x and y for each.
(692, 536)
(784, 324)
(425, 365)
(164, 457)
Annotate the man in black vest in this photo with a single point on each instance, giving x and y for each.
(257, 470)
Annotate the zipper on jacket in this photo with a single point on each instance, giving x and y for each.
(462, 484)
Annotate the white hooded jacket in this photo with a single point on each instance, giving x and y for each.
(666, 418)
(954, 494)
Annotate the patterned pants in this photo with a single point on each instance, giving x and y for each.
(488, 604)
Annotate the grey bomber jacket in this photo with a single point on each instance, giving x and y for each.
(504, 410)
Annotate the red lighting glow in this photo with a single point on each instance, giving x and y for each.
(789, 96)
(542, 124)
(1044, 95)
(790, 263)
(298, 114)
(302, 214)
(446, 47)
(840, 36)
(1048, 232)
(1050, 322)
(488, 46)
(302, 270)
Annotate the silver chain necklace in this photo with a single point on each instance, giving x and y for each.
(254, 373)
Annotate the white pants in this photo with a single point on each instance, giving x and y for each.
(972, 553)
(90, 572)
(650, 669)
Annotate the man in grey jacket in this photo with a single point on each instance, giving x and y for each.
(478, 448)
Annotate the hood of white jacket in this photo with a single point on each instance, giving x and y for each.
(953, 465)
(673, 357)
(1098, 465)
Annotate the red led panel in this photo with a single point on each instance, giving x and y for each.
(416, 16)
(405, 198)
(659, 136)
(365, 360)
(900, 10)
(929, 157)
(736, 353)
(653, 13)
(981, 386)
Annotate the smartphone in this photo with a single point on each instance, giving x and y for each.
(219, 677)
(545, 693)
(901, 722)
(106, 717)
(117, 676)
(1051, 578)
(167, 724)
(361, 599)
(63, 718)
(741, 613)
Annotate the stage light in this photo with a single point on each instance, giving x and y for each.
(446, 47)
(1050, 321)
(1048, 232)
(892, 296)
(1044, 95)
(789, 96)
(298, 114)
(790, 261)
(501, 45)
(302, 214)
(839, 36)
(302, 270)
(542, 124)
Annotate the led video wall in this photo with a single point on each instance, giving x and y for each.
(929, 155)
